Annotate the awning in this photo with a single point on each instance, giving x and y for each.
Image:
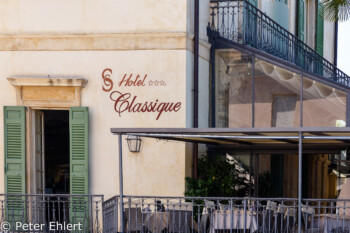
(255, 136)
(244, 136)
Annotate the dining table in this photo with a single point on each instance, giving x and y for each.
(331, 222)
(174, 221)
(233, 219)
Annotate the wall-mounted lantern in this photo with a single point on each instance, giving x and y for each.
(134, 143)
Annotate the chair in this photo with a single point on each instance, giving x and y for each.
(309, 224)
(343, 210)
(268, 217)
(279, 224)
(290, 219)
(133, 217)
(209, 207)
(180, 217)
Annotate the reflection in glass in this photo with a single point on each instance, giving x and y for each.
(277, 96)
(233, 90)
(323, 106)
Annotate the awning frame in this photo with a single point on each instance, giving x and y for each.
(299, 134)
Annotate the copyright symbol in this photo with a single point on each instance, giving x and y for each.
(5, 226)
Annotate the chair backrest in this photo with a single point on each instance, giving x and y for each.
(281, 209)
(179, 221)
(290, 212)
(209, 207)
(209, 203)
(306, 212)
(224, 207)
(177, 205)
(133, 204)
(271, 206)
(150, 205)
(133, 218)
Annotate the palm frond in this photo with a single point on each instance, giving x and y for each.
(336, 10)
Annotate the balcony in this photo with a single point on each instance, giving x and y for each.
(188, 215)
(239, 22)
(51, 213)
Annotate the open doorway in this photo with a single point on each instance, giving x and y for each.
(52, 171)
(56, 128)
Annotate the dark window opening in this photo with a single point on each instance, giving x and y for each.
(57, 162)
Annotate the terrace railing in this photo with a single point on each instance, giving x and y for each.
(241, 22)
(51, 213)
(189, 215)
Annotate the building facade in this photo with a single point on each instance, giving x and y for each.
(73, 70)
(297, 86)
(116, 63)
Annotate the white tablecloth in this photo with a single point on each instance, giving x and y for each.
(223, 219)
(331, 222)
(156, 222)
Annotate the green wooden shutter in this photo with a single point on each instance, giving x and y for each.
(15, 161)
(79, 163)
(319, 30)
(301, 20)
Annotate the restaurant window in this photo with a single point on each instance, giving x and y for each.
(323, 106)
(277, 96)
(233, 96)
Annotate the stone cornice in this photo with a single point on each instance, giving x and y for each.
(48, 81)
(102, 42)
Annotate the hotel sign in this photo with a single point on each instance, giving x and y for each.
(128, 103)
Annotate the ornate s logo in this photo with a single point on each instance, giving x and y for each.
(126, 102)
(106, 74)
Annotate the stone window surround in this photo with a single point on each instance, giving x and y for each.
(44, 92)
(50, 92)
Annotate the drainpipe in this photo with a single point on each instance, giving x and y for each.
(195, 84)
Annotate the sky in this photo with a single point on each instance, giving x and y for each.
(344, 47)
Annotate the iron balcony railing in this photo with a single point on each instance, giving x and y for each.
(51, 213)
(234, 215)
(241, 22)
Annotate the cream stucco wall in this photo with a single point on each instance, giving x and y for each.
(90, 16)
(82, 38)
(159, 169)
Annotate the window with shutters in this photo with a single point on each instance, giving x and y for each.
(57, 143)
(38, 95)
(319, 29)
(301, 20)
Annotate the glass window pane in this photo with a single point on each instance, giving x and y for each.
(323, 106)
(277, 96)
(233, 89)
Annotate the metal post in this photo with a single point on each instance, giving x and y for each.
(347, 104)
(120, 136)
(245, 215)
(300, 180)
(301, 100)
(250, 173)
(253, 91)
(257, 175)
(212, 57)
(195, 83)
